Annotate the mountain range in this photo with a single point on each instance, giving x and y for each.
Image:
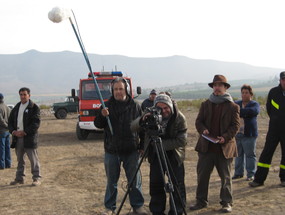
(58, 72)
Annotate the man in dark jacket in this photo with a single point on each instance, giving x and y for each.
(24, 122)
(218, 118)
(121, 147)
(5, 154)
(275, 107)
(173, 134)
(149, 101)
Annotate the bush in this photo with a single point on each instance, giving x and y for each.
(44, 107)
(260, 99)
(186, 104)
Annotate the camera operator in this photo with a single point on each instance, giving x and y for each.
(172, 130)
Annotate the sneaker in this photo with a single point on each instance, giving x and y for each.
(108, 212)
(16, 182)
(255, 184)
(140, 211)
(36, 182)
(282, 183)
(250, 178)
(197, 206)
(237, 177)
(226, 208)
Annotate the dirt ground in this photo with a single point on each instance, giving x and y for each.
(74, 179)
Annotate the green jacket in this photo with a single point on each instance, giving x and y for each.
(175, 137)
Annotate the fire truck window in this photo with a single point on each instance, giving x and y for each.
(106, 90)
(89, 92)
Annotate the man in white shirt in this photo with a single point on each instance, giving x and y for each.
(23, 123)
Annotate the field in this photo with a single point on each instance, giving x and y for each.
(73, 180)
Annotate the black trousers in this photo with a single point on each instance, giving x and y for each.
(157, 192)
(273, 138)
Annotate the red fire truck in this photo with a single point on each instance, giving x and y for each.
(89, 101)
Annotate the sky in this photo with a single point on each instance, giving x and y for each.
(246, 31)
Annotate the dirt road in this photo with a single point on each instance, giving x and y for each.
(74, 179)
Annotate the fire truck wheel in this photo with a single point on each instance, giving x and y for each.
(61, 114)
(81, 134)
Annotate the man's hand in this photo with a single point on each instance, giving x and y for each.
(19, 133)
(206, 132)
(105, 112)
(145, 116)
(222, 140)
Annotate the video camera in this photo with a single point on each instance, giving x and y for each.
(152, 122)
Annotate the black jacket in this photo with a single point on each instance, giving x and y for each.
(121, 114)
(147, 103)
(275, 107)
(31, 122)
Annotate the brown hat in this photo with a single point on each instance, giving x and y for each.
(219, 79)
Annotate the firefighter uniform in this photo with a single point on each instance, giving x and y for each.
(275, 106)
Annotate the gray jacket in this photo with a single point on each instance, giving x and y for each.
(175, 138)
(4, 115)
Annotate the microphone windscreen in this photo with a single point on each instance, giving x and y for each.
(58, 14)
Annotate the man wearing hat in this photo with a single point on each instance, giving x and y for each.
(218, 118)
(149, 101)
(5, 154)
(275, 107)
(174, 139)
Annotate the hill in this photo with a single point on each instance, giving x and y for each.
(57, 72)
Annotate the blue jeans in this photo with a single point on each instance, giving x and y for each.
(246, 155)
(5, 153)
(113, 168)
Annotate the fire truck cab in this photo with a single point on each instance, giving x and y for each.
(89, 101)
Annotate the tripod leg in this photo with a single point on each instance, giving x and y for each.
(177, 186)
(162, 158)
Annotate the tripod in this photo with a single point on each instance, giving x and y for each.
(164, 167)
